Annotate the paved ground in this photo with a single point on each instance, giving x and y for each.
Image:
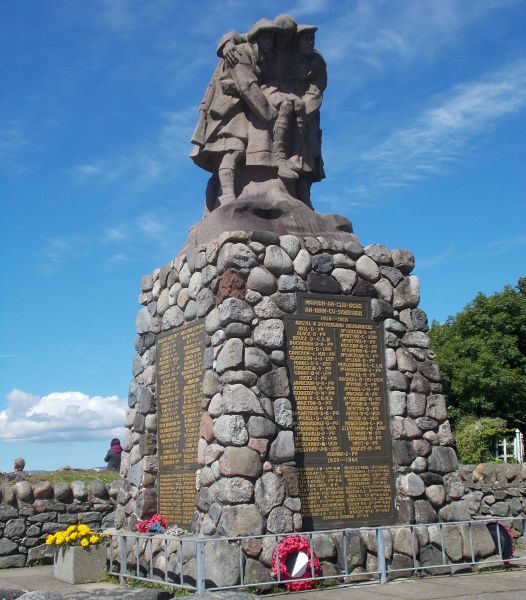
(510, 585)
(507, 585)
(41, 578)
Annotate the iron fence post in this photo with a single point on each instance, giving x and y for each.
(345, 562)
(413, 545)
(181, 577)
(380, 545)
(241, 569)
(137, 557)
(200, 584)
(165, 559)
(109, 556)
(123, 556)
(499, 543)
(442, 543)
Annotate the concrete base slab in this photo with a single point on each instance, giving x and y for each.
(41, 578)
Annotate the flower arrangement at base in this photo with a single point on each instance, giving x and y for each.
(154, 525)
(293, 558)
(76, 535)
(80, 554)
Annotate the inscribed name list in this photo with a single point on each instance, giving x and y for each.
(335, 354)
(179, 393)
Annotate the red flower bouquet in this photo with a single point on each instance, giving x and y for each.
(154, 525)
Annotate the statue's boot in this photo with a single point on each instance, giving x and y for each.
(297, 164)
(285, 172)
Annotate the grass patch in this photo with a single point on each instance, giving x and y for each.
(85, 475)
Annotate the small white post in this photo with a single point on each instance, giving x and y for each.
(518, 444)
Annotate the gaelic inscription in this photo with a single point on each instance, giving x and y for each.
(335, 354)
(179, 391)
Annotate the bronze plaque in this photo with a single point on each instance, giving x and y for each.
(179, 394)
(336, 362)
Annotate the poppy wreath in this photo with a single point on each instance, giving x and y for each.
(288, 546)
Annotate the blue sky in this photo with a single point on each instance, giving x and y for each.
(423, 120)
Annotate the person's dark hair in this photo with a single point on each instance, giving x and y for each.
(115, 441)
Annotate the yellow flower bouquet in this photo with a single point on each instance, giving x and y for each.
(80, 554)
(76, 535)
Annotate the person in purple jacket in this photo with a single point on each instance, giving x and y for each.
(113, 456)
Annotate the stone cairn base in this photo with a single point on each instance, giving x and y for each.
(243, 284)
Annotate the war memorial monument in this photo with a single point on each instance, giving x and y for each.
(283, 379)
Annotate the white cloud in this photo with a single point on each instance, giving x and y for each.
(307, 7)
(11, 140)
(13, 143)
(151, 226)
(177, 130)
(357, 197)
(55, 251)
(147, 162)
(115, 234)
(116, 14)
(125, 17)
(491, 248)
(383, 32)
(114, 246)
(61, 416)
(139, 165)
(52, 255)
(501, 246)
(440, 134)
(117, 258)
(446, 255)
(86, 171)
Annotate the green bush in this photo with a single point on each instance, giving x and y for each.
(475, 436)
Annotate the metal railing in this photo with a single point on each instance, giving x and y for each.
(172, 564)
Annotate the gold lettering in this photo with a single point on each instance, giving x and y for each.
(340, 415)
(179, 390)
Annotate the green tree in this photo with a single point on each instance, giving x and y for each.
(482, 355)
